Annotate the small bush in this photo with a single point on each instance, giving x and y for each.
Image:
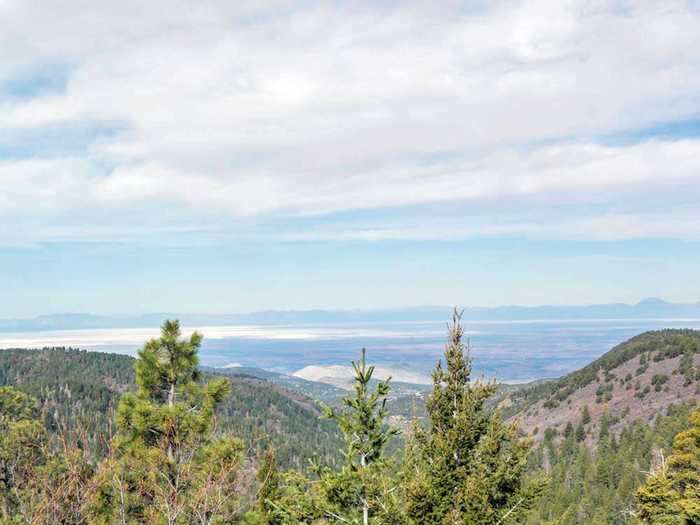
(658, 381)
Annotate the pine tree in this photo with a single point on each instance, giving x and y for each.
(22, 441)
(468, 466)
(269, 478)
(40, 482)
(167, 465)
(671, 495)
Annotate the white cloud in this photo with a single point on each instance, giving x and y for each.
(234, 113)
(43, 185)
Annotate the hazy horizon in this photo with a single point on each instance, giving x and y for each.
(511, 351)
(652, 305)
(369, 310)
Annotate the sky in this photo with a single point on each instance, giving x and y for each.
(221, 156)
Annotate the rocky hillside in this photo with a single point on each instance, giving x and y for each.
(637, 380)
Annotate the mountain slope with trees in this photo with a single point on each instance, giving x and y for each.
(96, 438)
(599, 431)
(78, 392)
(636, 380)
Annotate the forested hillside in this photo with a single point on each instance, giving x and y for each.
(598, 486)
(156, 440)
(78, 392)
(600, 430)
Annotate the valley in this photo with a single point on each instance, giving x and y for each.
(640, 390)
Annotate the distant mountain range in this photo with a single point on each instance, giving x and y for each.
(651, 308)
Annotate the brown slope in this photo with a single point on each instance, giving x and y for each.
(638, 379)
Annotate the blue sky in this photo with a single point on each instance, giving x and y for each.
(224, 158)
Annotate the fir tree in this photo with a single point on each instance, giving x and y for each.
(363, 425)
(468, 466)
(167, 465)
(362, 490)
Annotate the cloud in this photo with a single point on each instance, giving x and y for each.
(228, 117)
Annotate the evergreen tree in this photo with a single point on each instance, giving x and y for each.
(363, 425)
(269, 479)
(167, 465)
(362, 490)
(22, 441)
(585, 416)
(568, 430)
(671, 495)
(468, 466)
(40, 484)
(599, 485)
(605, 422)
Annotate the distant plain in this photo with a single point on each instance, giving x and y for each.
(511, 351)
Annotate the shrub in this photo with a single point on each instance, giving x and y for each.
(658, 381)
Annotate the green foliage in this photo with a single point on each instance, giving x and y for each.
(16, 406)
(658, 380)
(171, 458)
(585, 415)
(604, 393)
(663, 344)
(40, 482)
(598, 485)
(468, 466)
(268, 477)
(687, 369)
(605, 423)
(363, 423)
(166, 464)
(671, 495)
(643, 392)
(22, 441)
(362, 490)
(78, 392)
(568, 430)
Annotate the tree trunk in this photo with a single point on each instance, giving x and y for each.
(365, 506)
(171, 402)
